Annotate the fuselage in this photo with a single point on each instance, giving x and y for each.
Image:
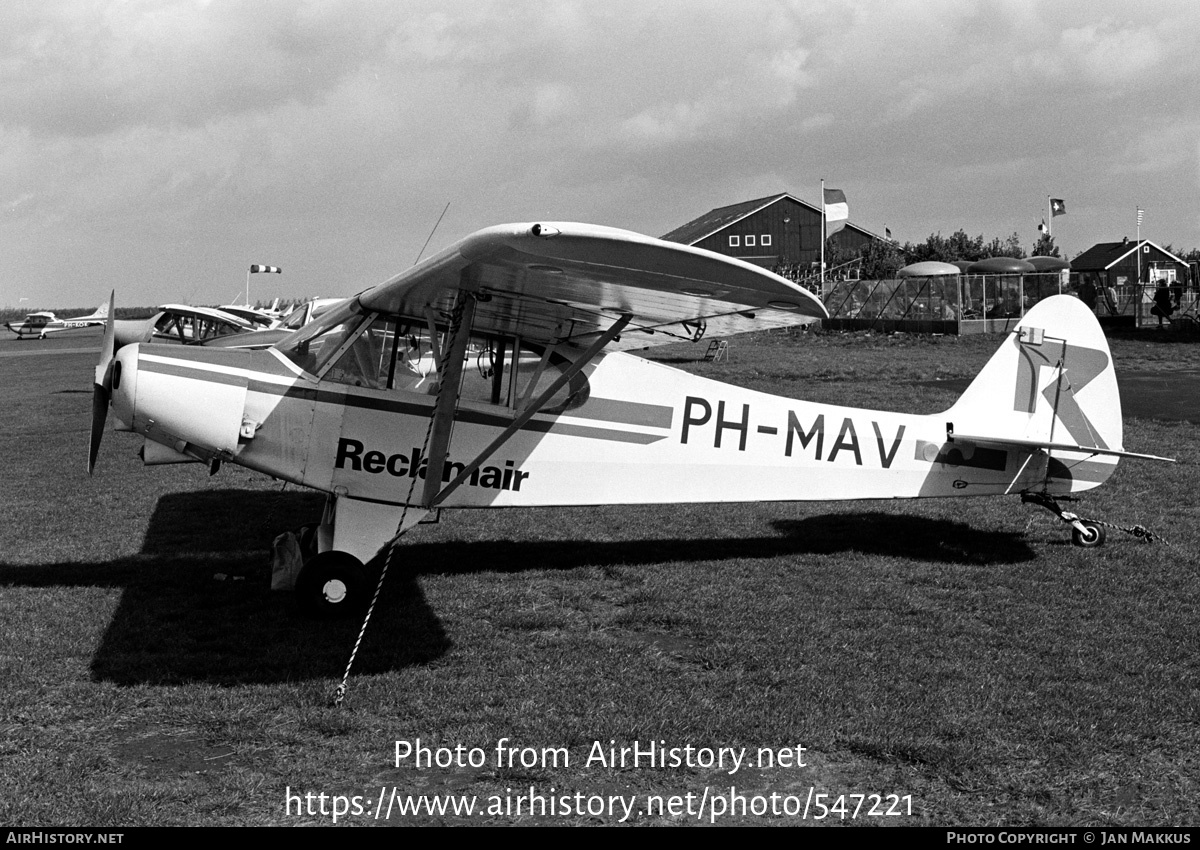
(41, 324)
(626, 431)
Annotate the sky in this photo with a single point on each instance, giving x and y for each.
(160, 147)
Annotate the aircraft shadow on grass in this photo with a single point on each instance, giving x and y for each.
(176, 623)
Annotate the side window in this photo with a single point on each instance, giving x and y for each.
(382, 353)
(386, 354)
(533, 373)
(414, 368)
(493, 375)
(168, 326)
(486, 371)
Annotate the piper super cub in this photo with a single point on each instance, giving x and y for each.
(496, 374)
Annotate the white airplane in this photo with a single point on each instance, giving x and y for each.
(497, 374)
(44, 322)
(180, 323)
(265, 338)
(260, 320)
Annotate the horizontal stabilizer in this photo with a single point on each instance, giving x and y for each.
(1039, 444)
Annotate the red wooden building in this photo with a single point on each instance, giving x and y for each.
(777, 232)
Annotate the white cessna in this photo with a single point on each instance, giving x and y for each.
(495, 374)
(44, 322)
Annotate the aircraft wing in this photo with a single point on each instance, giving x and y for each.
(568, 282)
(206, 313)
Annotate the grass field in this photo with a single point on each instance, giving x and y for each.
(960, 654)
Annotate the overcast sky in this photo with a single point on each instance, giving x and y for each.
(160, 147)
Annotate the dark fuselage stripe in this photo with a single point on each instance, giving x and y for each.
(389, 405)
(473, 417)
(626, 412)
(184, 370)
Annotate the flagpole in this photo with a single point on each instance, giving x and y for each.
(822, 236)
(1139, 250)
(1049, 218)
(247, 286)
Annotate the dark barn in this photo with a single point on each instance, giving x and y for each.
(778, 232)
(1118, 264)
(1113, 271)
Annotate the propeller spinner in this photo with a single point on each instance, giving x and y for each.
(102, 388)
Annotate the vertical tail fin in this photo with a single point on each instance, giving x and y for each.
(1051, 383)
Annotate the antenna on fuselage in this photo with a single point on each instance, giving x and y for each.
(435, 227)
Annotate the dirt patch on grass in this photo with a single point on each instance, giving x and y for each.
(163, 755)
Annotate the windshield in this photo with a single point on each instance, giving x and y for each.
(313, 346)
(295, 319)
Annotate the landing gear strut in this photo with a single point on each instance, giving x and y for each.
(1084, 533)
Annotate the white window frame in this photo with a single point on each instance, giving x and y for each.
(735, 242)
(765, 240)
(749, 240)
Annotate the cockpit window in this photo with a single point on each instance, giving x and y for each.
(295, 319)
(313, 347)
(388, 354)
(398, 354)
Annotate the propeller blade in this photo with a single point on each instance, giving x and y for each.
(99, 418)
(102, 387)
(108, 346)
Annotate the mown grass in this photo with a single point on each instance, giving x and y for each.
(960, 651)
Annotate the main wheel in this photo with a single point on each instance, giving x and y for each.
(332, 584)
(1092, 536)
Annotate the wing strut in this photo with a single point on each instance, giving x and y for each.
(524, 416)
(447, 397)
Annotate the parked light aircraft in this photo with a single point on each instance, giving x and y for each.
(179, 323)
(497, 374)
(44, 322)
(265, 338)
(258, 319)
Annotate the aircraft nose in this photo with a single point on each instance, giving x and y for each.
(124, 383)
(182, 394)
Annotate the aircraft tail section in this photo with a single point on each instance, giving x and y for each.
(1050, 391)
(101, 311)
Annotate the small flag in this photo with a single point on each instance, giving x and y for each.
(1042, 226)
(255, 269)
(1140, 212)
(1058, 207)
(887, 234)
(836, 211)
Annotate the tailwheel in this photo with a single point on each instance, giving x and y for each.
(332, 584)
(1090, 536)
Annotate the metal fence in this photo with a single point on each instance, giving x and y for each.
(946, 304)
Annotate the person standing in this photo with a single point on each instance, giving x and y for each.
(1162, 302)
(1087, 294)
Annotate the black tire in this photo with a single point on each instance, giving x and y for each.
(1092, 539)
(332, 584)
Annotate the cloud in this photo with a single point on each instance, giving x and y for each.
(1112, 56)
(318, 129)
(79, 69)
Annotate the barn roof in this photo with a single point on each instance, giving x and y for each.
(718, 219)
